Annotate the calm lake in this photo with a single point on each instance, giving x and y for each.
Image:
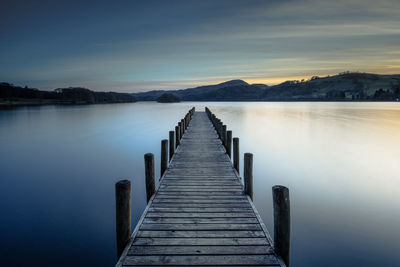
(341, 162)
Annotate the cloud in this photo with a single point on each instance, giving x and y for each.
(176, 44)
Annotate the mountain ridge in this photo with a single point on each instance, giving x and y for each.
(345, 86)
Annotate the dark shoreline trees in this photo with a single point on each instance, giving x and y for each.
(72, 95)
(168, 98)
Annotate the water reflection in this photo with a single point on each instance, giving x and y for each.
(340, 161)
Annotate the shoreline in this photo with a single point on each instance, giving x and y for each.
(26, 103)
(44, 102)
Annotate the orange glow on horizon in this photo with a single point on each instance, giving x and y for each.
(275, 80)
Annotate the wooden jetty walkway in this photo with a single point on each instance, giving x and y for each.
(199, 215)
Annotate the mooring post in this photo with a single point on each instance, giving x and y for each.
(282, 222)
(223, 138)
(149, 170)
(177, 131)
(171, 144)
(248, 174)
(236, 153)
(180, 130)
(164, 157)
(182, 127)
(229, 143)
(123, 214)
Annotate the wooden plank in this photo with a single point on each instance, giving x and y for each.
(165, 193)
(194, 189)
(211, 260)
(199, 250)
(216, 197)
(200, 179)
(200, 241)
(199, 201)
(200, 234)
(202, 205)
(201, 183)
(212, 209)
(201, 227)
(199, 220)
(201, 215)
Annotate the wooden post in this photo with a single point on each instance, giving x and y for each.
(180, 130)
(248, 174)
(223, 137)
(149, 170)
(236, 153)
(229, 143)
(164, 156)
(123, 214)
(182, 127)
(177, 138)
(282, 222)
(171, 144)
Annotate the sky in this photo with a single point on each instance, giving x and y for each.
(131, 46)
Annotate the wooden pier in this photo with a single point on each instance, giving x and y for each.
(199, 214)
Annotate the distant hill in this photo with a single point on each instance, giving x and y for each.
(346, 86)
(168, 98)
(190, 93)
(15, 95)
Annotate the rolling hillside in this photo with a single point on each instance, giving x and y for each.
(342, 87)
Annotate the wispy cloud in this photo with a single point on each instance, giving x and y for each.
(139, 46)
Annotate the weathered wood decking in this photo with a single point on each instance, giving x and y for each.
(199, 215)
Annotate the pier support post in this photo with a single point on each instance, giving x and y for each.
(177, 138)
(171, 144)
(149, 171)
(180, 130)
(164, 157)
(229, 144)
(182, 127)
(223, 138)
(123, 214)
(248, 174)
(281, 222)
(236, 154)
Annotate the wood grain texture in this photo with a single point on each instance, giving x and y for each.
(199, 215)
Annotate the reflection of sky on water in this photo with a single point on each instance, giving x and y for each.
(340, 161)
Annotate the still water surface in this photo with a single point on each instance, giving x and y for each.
(58, 166)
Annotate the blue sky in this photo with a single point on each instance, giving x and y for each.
(131, 46)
